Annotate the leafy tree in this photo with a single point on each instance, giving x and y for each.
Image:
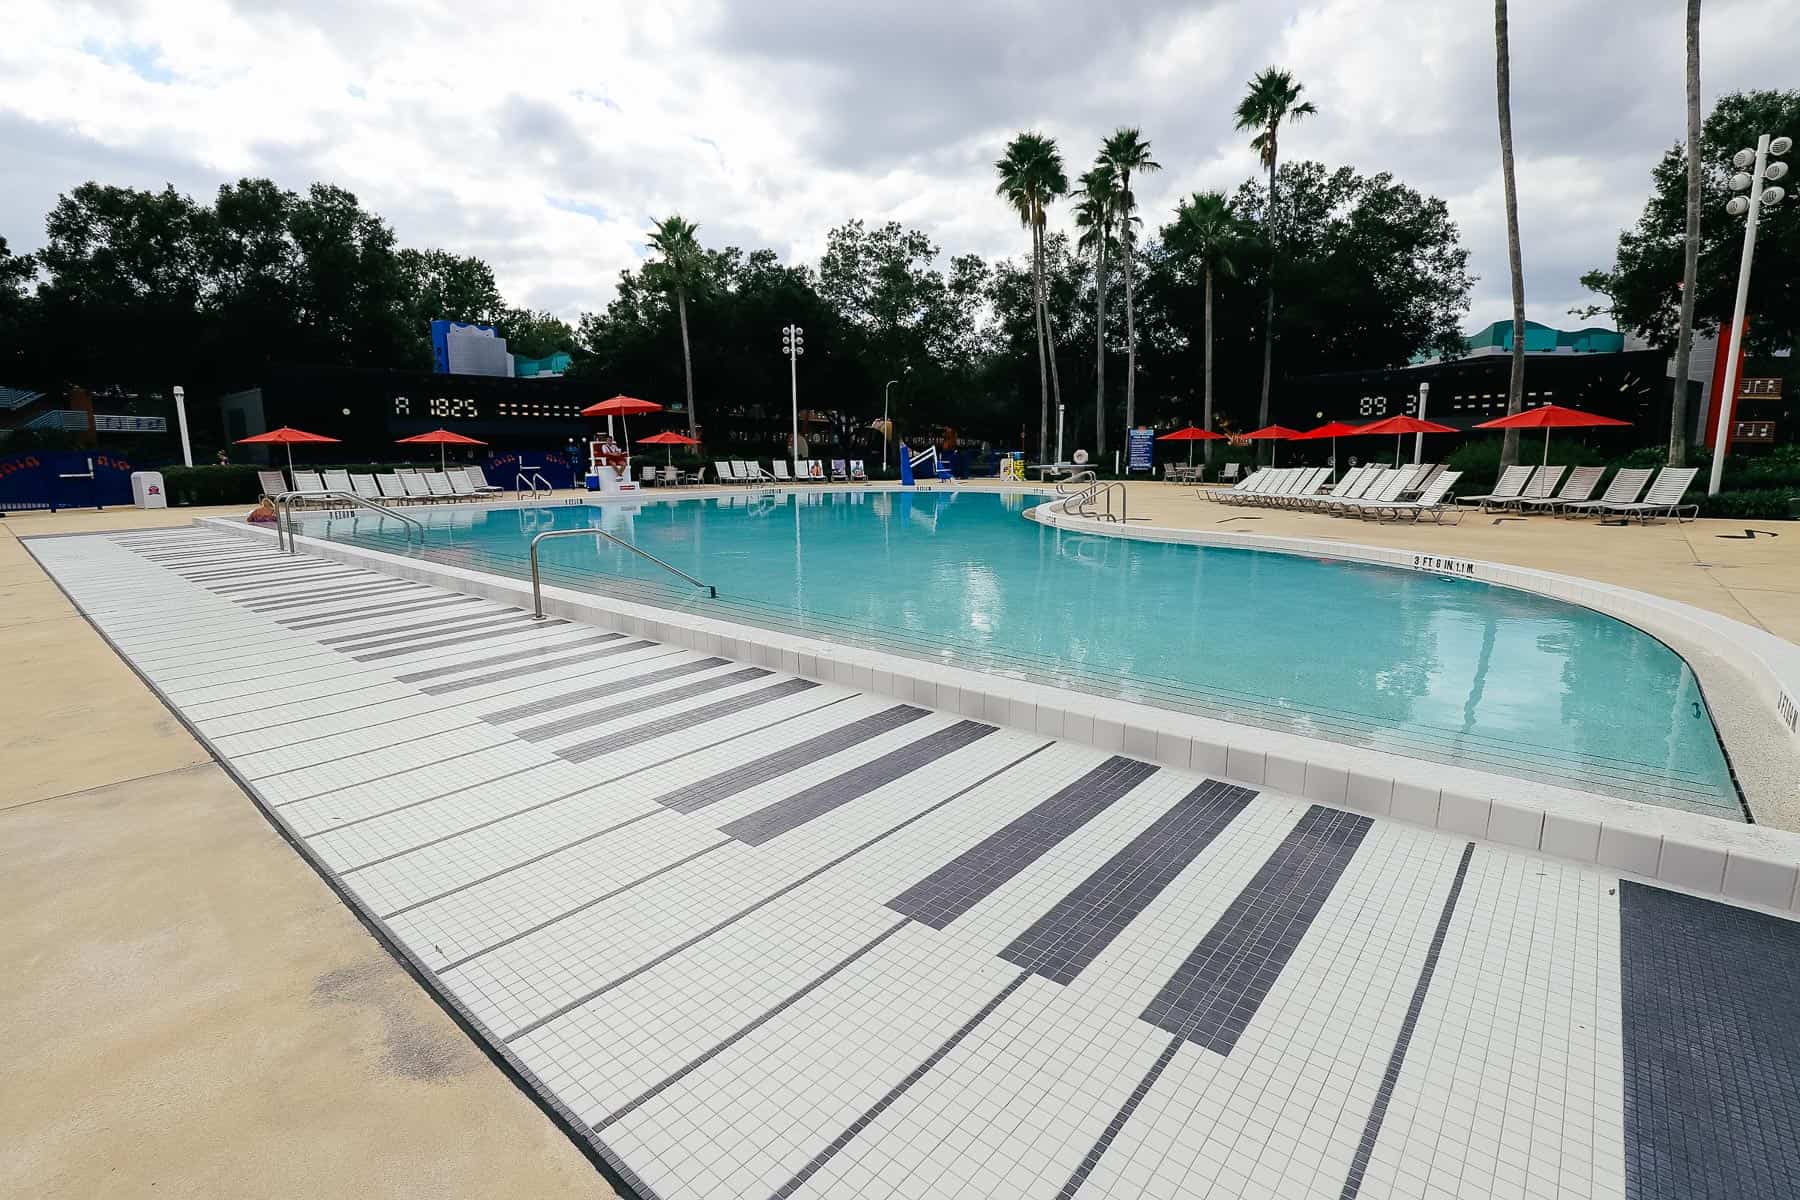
(535, 334)
(1515, 390)
(16, 309)
(1207, 233)
(1640, 288)
(450, 287)
(1690, 246)
(1273, 97)
(1097, 216)
(680, 273)
(1031, 179)
(1127, 152)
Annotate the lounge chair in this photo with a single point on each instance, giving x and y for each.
(415, 485)
(272, 483)
(364, 486)
(1262, 483)
(1578, 486)
(723, 470)
(1432, 502)
(759, 473)
(779, 471)
(1512, 481)
(1305, 489)
(1224, 495)
(1542, 485)
(391, 487)
(479, 481)
(461, 487)
(1664, 499)
(438, 484)
(1625, 488)
(803, 468)
(1231, 472)
(337, 481)
(857, 474)
(1342, 489)
(840, 473)
(815, 469)
(1388, 487)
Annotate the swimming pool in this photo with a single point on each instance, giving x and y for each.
(1436, 668)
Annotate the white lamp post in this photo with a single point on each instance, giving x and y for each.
(1752, 181)
(886, 427)
(187, 451)
(1059, 432)
(794, 345)
(1419, 438)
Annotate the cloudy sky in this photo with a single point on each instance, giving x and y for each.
(544, 135)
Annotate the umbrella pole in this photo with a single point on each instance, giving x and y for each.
(290, 454)
(443, 457)
(1546, 445)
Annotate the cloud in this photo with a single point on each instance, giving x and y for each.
(545, 137)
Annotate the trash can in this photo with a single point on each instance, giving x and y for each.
(147, 490)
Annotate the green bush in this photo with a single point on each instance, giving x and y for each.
(1751, 504)
(211, 485)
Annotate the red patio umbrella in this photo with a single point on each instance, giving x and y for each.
(668, 439)
(1333, 430)
(1190, 435)
(1550, 416)
(1400, 425)
(623, 406)
(1272, 433)
(286, 437)
(439, 438)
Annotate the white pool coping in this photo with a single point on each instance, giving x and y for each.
(1753, 864)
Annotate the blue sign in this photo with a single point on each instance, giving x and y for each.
(1140, 442)
(56, 479)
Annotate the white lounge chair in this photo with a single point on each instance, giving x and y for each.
(479, 481)
(364, 486)
(1512, 481)
(779, 471)
(1625, 488)
(1340, 490)
(1578, 486)
(1231, 472)
(1389, 486)
(337, 481)
(271, 482)
(1431, 502)
(1542, 484)
(1246, 490)
(839, 472)
(723, 470)
(415, 485)
(1303, 489)
(1225, 495)
(391, 487)
(1664, 499)
(857, 474)
(438, 484)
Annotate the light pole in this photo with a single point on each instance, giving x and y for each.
(187, 451)
(1751, 182)
(1059, 432)
(886, 426)
(794, 345)
(1419, 438)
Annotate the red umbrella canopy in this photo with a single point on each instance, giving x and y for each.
(440, 437)
(1331, 429)
(1404, 424)
(668, 439)
(1550, 416)
(622, 405)
(1192, 434)
(1278, 433)
(285, 437)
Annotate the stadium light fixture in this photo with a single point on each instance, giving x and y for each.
(1749, 206)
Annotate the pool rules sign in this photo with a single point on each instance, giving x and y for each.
(1138, 444)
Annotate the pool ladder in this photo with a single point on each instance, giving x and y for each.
(1096, 501)
(284, 515)
(537, 587)
(521, 481)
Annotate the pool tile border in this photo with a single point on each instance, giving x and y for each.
(1744, 864)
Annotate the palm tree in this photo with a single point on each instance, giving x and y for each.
(1208, 231)
(1031, 176)
(1128, 152)
(680, 272)
(1515, 392)
(1684, 338)
(1274, 97)
(1096, 214)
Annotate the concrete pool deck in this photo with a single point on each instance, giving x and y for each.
(124, 792)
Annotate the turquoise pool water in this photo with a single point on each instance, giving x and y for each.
(1436, 668)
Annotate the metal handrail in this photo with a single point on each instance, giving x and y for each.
(533, 480)
(284, 514)
(537, 590)
(1081, 503)
(1084, 476)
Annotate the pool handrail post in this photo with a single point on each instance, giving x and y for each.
(537, 588)
(284, 514)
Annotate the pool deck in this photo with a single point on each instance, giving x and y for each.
(208, 1007)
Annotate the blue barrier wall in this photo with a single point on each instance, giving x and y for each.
(34, 480)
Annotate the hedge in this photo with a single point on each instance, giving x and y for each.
(211, 485)
(1750, 504)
